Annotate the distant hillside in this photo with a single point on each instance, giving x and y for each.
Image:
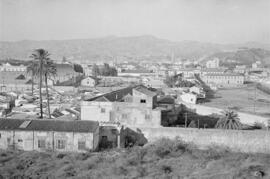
(244, 56)
(128, 48)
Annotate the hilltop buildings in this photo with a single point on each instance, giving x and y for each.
(212, 63)
(13, 68)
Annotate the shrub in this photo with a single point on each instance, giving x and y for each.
(165, 147)
(60, 155)
(166, 169)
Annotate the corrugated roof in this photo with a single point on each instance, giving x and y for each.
(49, 125)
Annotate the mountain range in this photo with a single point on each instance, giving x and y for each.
(129, 48)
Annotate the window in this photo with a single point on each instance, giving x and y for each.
(143, 101)
(104, 138)
(147, 116)
(124, 116)
(81, 145)
(41, 144)
(60, 144)
(103, 110)
(114, 131)
(20, 140)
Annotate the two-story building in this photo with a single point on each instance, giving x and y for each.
(224, 80)
(132, 106)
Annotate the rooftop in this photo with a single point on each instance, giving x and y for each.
(119, 94)
(224, 74)
(48, 125)
(145, 91)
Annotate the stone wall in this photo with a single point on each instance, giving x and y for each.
(245, 118)
(236, 140)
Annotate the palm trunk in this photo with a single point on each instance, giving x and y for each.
(32, 84)
(47, 93)
(40, 86)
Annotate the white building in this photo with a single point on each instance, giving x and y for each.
(14, 68)
(188, 98)
(89, 82)
(131, 106)
(224, 80)
(213, 63)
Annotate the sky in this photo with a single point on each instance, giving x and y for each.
(216, 21)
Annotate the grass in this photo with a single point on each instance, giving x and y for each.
(163, 159)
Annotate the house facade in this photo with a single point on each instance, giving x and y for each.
(133, 106)
(88, 82)
(224, 80)
(13, 68)
(49, 135)
(188, 98)
(212, 63)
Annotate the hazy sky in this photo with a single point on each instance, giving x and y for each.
(221, 21)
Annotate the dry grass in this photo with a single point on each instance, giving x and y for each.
(242, 99)
(163, 159)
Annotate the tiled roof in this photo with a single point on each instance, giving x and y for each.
(49, 125)
(137, 71)
(113, 96)
(166, 100)
(11, 77)
(145, 91)
(224, 74)
(213, 70)
(118, 95)
(20, 77)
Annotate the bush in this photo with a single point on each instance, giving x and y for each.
(166, 169)
(166, 147)
(60, 155)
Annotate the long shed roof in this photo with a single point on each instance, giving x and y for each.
(48, 125)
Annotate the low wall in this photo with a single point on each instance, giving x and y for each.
(245, 118)
(65, 88)
(257, 141)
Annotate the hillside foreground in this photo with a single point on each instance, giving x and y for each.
(164, 159)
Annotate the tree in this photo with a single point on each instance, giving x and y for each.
(95, 70)
(49, 71)
(33, 69)
(78, 68)
(170, 81)
(230, 120)
(40, 55)
(106, 69)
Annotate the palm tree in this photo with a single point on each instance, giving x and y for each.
(33, 69)
(49, 71)
(230, 120)
(40, 55)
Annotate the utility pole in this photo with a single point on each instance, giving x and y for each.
(198, 123)
(255, 97)
(186, 120)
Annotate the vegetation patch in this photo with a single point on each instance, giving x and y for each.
(163, 159)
